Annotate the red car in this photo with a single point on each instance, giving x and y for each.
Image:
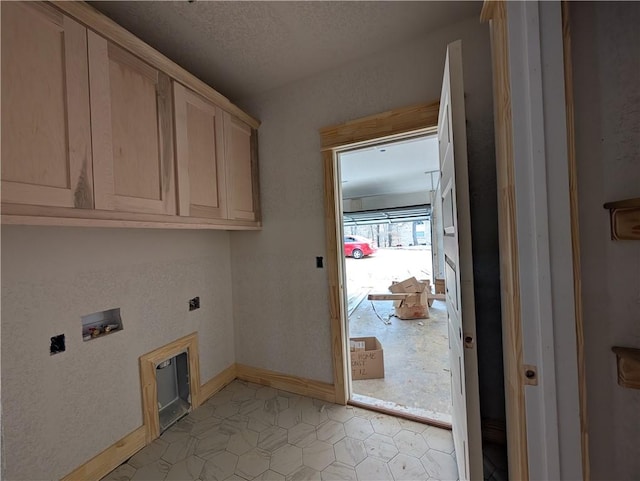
(357, 246)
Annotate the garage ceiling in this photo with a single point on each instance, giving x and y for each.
(395, 168)
(242, 48)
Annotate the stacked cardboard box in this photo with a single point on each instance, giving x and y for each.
(415, 304)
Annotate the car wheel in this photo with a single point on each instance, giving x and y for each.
(357, 254)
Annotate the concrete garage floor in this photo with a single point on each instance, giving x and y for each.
(416, 358)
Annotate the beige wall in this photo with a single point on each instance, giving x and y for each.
(606, 55)
(61, 410)
(284, 323)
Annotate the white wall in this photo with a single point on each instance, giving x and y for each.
(606, 59)
(284, 323)
(61, 410)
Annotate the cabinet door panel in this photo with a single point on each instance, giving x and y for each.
(46, 140)
(241, 169)
(131, 128)
(199, 156)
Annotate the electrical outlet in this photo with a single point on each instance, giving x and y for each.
(194, 303)
(57, 344)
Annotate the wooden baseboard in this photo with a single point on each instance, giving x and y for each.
(112, 457)
(216, 383)
(293, 384)
(109, 459)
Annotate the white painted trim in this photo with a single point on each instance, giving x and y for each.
(544, 238)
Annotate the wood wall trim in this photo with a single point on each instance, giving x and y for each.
(336, 289)
(23, 214)
(378, 126)
(628, 364)
(286, 382)
(112, 457)
(624, 219)
(575, 239)
(109, 459)
(148, 363)
(216, 383)
(90, 17)
(489, 10)
(507, 231)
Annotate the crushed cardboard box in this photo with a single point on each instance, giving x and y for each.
(408, 285)
(411, 298)
(367, 358)
(416, 304)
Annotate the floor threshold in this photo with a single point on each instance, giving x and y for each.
(424, 416)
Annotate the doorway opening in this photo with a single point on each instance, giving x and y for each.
(387, 191)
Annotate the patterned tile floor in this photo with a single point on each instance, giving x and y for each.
(248, 431)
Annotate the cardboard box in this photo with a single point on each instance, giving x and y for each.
(408, 285)
(367, 363)
(439, 286)
(415, 305)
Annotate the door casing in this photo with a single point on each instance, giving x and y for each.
(391, 125)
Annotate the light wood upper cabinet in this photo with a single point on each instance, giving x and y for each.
(46, 138)
(216, 160)
(90, 118)
(199, 155)
(241, 160)
(131, 125)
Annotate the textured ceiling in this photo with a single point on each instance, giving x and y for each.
(241, 48)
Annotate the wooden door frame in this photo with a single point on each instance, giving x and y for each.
(380, 127)
(515, 409)
(520, 28)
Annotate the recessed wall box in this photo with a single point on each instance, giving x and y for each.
(101, 323)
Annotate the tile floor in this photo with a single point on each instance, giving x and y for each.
(248, 431)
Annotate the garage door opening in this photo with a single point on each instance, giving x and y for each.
(398, 348)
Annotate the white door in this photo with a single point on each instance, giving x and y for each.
(456, 220)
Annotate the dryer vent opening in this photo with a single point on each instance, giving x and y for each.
(174, 400)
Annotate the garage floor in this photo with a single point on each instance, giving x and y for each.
(416, 359)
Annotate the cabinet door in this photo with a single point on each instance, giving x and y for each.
(199, 156)
(131, 126)
(242, 169)
(46, 137)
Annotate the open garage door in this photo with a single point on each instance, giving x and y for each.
(388, 216)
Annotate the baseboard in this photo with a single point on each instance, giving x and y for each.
(286, 382)
(109, 459)
(112, 457)
(216, 383)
